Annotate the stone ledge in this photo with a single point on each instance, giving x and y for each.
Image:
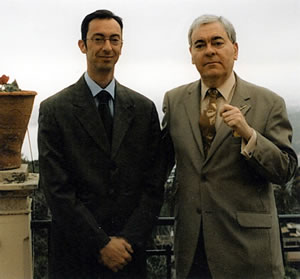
(30, 184)
(18, 175)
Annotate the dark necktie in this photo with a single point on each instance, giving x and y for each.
(105, 114)
(208, 119)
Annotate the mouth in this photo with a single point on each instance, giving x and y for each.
(106, 57)
(211, 63)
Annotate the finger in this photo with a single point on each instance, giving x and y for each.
(225, 107)
(222, 110)
(112, 266)
(128, 247)
(121, 266)
(128, 257)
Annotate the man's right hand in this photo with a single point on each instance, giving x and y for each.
(116, 254)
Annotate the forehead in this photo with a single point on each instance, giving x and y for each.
(208, 31)
(104, 26)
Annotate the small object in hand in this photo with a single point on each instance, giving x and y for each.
(236, 134)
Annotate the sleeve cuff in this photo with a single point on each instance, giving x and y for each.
(248, 148)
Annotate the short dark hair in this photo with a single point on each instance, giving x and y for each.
(101, 14)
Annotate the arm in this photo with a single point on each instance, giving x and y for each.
(273, 156)
(69, 213)
(143, 218)
(167, 148)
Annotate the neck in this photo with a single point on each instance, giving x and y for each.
(102, 78)
(212, 83)
(215, 81)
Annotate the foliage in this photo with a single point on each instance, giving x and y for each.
(287, 200)
(288, 196)
(40, 237)
(294, 116)
(291, 273)
(8, 87)
(163, 236)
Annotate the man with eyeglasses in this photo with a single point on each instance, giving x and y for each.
(231, 140)
(98, 152)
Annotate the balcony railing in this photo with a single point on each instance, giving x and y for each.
(167, 250)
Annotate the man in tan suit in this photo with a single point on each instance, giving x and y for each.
(226, 222)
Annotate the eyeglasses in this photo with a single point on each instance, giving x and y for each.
(100, 40)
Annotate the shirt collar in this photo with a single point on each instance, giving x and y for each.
(225, 89)
(95, 88)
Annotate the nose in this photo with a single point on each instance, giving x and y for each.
(107, 45)
(210, 50)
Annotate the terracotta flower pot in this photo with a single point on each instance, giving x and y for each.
(15, 111)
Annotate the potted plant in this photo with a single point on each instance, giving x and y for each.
(15, 111)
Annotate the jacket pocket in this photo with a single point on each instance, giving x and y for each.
(254, 220)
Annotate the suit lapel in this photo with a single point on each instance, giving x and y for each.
(123, 116)
(240, 99)
(192, 108)
(86, 112)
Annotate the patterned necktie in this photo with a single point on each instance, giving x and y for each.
(104, 111)
(208, 119)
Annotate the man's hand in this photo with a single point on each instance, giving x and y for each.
(116, 254)
(234, 118)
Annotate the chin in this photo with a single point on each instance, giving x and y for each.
(211, 75)
(105, 65)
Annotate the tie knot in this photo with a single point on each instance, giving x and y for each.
(103, 97)
(213, 93)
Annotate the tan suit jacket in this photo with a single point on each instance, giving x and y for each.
(231, 196)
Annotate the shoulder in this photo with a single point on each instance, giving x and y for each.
(182, 89)
(256, 91)
(64, 96)
(59, 96)
(130, 94)
(178, 94)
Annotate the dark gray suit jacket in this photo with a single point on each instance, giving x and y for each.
(94, 193)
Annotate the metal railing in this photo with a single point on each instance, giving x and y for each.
(295, 243)
(167, 250)
(164, 250)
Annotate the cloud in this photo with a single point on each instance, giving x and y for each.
(39, 44)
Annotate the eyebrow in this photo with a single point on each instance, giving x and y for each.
(217, 38)
(213, 39)
(199, 41)
(102, 35)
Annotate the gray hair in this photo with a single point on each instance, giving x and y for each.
(205, 19)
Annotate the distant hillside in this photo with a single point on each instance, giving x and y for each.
(294, 116)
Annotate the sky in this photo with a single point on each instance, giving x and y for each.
(39, 45)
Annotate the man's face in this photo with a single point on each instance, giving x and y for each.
(102, 57)
(213, 53)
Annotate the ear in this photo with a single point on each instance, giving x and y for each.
(82, 46)
(236, 50)
(192, 57)
(121, 48)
